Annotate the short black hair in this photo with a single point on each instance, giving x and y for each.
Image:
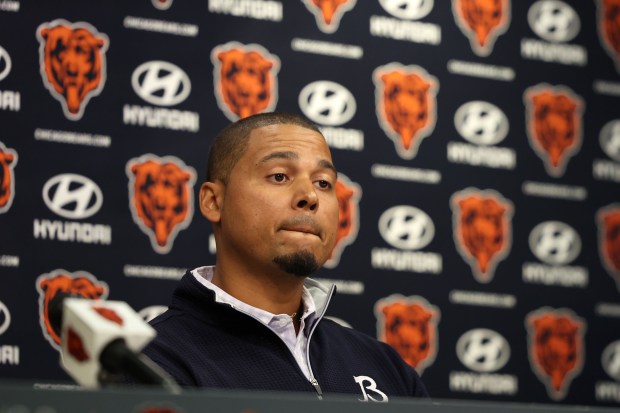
(230, 144)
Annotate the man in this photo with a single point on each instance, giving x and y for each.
(254, 321)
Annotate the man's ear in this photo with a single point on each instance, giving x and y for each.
(211, 200)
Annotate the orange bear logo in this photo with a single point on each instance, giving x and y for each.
(8, 160)
(409, 324)
(329, 12)
(348, 194)
(553, 125)
(245, 79)
(406, 105)
(160, 193)
(556, 348)
(50, 285)
(609, 239)
(72, 59)
(609, 28)
(482, 230)
(482, 21)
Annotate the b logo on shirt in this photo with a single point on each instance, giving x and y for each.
(366, 383)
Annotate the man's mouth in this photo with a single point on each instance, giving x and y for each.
(303, 224)
(305, 230)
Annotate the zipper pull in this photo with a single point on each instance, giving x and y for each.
(316, 386)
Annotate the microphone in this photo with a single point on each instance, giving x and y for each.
(101, 339)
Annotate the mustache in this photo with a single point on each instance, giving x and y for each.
(302, 222)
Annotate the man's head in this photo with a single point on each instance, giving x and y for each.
(232, 141)
(271, 195)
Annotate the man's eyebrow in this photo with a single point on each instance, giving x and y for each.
(323, 163)
(279, 155)
(328, 165)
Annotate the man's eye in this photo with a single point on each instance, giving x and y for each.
(323, 184)
(278, 177)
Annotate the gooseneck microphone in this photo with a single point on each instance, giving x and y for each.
(101, 341)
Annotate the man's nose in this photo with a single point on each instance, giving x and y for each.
(305, 195)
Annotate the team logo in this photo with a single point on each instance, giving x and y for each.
(368, 384)
(160, 197)
(609, 28)
(554, 125)
(609, 138)
(73, 64)
(481, 123)
(161, 83)
(348, 194)
(406, 105)
(5, 318)
(483, 350)
(245, 79)
(51, 286)
(555, 243)
(408, 9)
(554, 21)
(327, 103)
(556, 348)
(329, 12)
(482, 21)
(72, 196)
(5, 63)
(482, 229)
(409, 324)
(8, 160)
(610, 360)
(608, 220)
(406, 227)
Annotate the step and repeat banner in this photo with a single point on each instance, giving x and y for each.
(478, 149)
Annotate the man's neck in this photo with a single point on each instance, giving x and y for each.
(276, 292)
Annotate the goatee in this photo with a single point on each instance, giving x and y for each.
(301, 263)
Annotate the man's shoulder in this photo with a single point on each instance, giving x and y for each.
(165, 317)
(337, 331)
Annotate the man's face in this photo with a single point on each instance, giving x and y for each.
(279, 208)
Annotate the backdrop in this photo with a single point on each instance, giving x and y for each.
(478, 145)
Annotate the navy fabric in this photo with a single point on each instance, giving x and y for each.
(207, 344)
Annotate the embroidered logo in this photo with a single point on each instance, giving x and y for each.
(367, 384)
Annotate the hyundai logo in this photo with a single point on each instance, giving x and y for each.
(327, 103)
(609, 139)
(554, 21)
(481, 123)
(555, 243)
(72, 196)
(406, 227)
(5, 318)
(407, 9)
(483, 350)
(5, 63)
(151, 312)
(161, 83)
(610, 360)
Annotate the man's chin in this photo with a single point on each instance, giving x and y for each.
(300, 263)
